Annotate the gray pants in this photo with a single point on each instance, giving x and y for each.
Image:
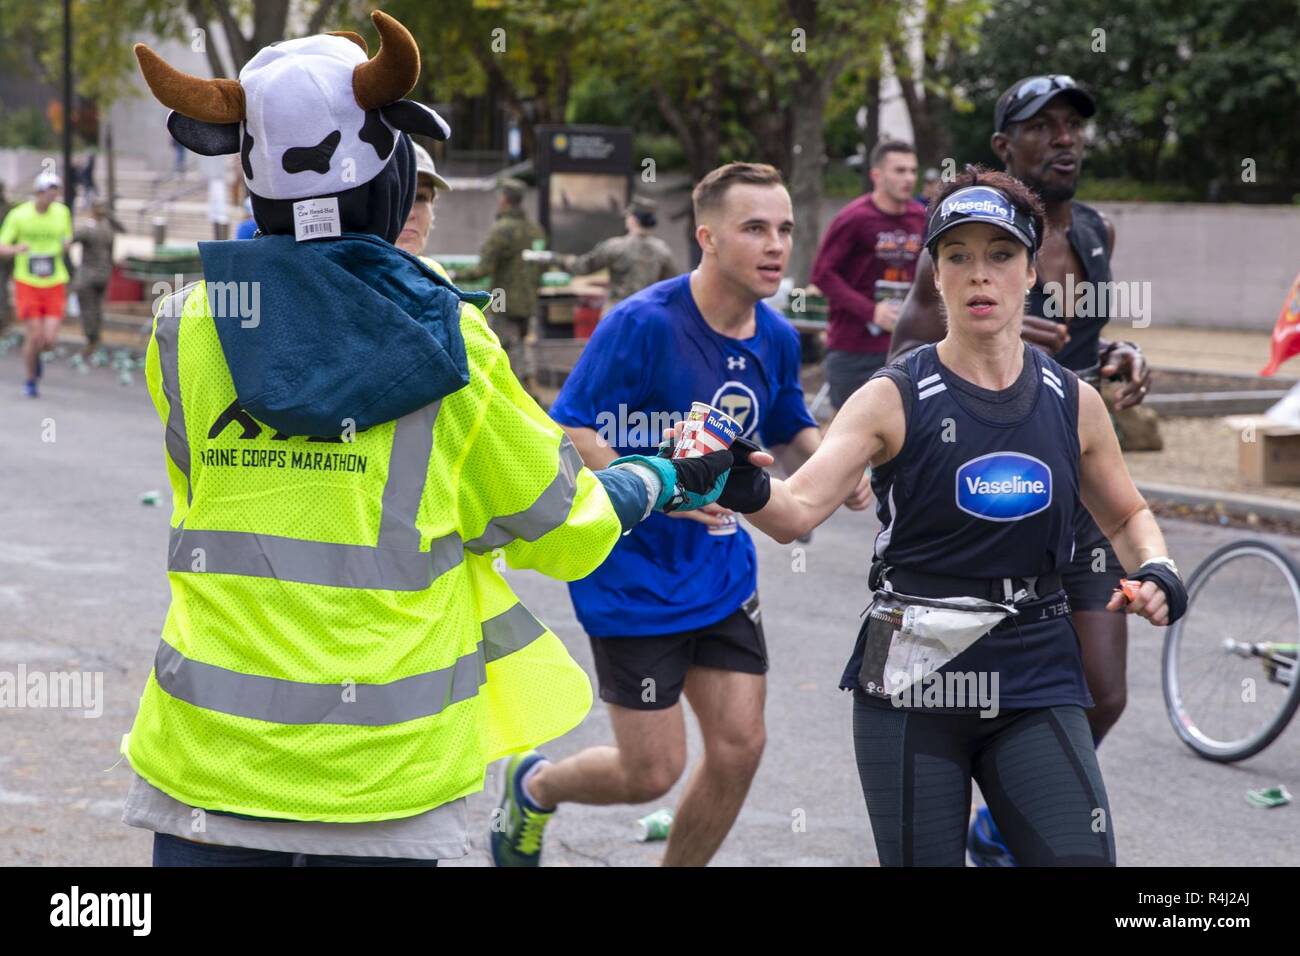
(90, 296)
(846, 372)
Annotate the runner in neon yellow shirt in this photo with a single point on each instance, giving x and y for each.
(37, 233)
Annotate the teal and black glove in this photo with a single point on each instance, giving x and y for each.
(685, 483)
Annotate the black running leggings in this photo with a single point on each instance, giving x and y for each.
(1037, 770)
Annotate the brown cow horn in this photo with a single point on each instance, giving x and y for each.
(390, 74)
(356, 38)
(213, 101)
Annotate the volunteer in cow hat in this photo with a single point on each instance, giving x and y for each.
(981, 449)
(350, 459)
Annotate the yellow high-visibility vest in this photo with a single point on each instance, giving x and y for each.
(340, 646)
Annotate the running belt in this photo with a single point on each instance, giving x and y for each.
(999, 590)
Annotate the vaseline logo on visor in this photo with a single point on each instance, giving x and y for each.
(1005, 486)
(975, 201)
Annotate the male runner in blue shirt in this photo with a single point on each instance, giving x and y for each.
(675, 606)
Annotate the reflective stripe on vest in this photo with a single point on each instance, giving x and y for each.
(281, 701)
(166, 333)
(396, 563)
(548, 512)
(310, 562)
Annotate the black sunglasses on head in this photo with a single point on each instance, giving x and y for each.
(1038, 85)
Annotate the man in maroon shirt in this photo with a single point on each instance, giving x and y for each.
(865, 266)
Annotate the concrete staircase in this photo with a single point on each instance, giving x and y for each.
(182, 200)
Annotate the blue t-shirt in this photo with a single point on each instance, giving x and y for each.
(649, 359)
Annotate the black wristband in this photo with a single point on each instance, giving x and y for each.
(1168, 581)
(748, 486)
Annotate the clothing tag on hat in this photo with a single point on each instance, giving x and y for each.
(316, 219)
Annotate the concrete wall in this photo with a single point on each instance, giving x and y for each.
(18, 169)
(1212, 266)
(140, 121)
(462, 217)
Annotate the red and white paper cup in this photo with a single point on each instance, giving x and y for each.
(706, 429)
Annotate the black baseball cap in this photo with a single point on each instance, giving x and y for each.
(1025, 97)
(985, 204)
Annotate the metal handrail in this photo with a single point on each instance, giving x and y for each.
(155, 203)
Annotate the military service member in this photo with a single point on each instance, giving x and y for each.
(96, 238)
(635, 259)
(514, 280)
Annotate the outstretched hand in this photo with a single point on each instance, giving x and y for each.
(748, 487)
(760, 459)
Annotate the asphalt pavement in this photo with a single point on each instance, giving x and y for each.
(82, 587)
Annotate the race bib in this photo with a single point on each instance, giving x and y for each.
(41, 267)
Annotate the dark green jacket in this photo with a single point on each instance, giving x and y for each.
(500, 259)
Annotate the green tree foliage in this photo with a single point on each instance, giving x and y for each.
(531, 52)
(1187, 90)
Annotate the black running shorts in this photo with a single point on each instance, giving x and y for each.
(648, 673)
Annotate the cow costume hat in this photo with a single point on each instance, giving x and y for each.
(350, 327)
(309, 117)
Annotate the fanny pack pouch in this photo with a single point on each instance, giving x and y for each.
(908, 638)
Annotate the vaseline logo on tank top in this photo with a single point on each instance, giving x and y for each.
(1004, 486)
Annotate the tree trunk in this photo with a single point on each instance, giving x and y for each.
(871, 131)
(270, 18)
(322, 13)
(238, 44)
(111, 156)
(199, 14)
(811, 93)
(563, 82)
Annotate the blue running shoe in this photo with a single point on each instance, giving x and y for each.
(984, 842)
(517, 825)
(30, 388)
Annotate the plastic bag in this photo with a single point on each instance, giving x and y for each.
(909, 638)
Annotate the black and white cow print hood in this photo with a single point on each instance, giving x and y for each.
(312, 117)
(303, 133)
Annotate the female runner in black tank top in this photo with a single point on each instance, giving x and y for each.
(1033, 758)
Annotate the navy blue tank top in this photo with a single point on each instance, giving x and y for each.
(972, 498)
(969, 497)
(1091, 244)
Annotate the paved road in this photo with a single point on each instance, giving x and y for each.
(81, 586)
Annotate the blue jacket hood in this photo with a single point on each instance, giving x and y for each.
(318, 333)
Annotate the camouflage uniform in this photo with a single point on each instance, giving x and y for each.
(633, 261)
(92, 277)
(501, 260)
